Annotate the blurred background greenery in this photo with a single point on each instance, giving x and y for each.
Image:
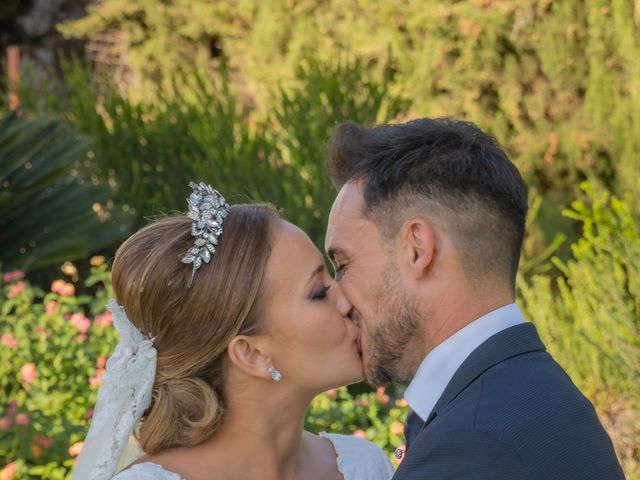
(244, 95)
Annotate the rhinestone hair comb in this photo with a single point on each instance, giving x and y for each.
(207, 209)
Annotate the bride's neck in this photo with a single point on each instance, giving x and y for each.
(272, 421)
(261, 435)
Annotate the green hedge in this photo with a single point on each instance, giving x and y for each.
(557, 81)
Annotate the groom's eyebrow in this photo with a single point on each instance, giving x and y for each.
(333, 252)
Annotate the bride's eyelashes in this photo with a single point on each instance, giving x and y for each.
(320, 293)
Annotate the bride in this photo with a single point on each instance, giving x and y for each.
(229, 325)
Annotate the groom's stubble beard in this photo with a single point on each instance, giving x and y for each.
(399, 327)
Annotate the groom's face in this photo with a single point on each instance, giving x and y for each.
(366, 268)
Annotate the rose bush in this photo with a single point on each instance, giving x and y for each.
(52, 348)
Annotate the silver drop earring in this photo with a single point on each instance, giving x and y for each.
(275, 374)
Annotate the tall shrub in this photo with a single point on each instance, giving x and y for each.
(557, 81)
(590, 315)
(151, 150)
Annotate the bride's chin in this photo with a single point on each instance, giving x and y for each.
(355, 374)
(358, 375)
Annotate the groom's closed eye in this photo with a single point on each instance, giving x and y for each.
(338, 268)
(338, 271)
(337, 258)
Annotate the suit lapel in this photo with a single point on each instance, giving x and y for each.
(506, 344)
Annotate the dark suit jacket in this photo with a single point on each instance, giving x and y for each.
(511, 413)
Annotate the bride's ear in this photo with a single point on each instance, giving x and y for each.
(248, 355)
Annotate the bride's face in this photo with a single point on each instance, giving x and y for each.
(313, 343)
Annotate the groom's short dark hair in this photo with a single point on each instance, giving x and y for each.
(447, 169)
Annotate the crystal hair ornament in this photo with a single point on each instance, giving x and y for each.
(207, 209)
(124, 396)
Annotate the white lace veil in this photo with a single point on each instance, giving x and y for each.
(122, 399)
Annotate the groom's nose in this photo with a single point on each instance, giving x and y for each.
(344, 306)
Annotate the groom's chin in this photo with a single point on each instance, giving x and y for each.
(376, 375)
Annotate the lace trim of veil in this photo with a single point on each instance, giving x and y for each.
(122, 399)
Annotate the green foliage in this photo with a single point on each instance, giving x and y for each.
(375, 416)
(590, 316)
(557, 81)
(152, 150)
(52, 352)
(46, 213)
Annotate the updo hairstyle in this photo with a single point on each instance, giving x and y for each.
(192, 326)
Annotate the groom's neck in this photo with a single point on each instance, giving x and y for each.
(455, 309)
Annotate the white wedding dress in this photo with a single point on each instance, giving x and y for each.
(357, 459)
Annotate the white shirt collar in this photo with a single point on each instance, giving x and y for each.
(438, 367)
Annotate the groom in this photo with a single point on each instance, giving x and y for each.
(425, 237)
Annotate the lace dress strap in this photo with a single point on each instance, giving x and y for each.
(146, 471)
(357, 459)
(360, 459)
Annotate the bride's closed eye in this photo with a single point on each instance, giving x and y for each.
(320, 293)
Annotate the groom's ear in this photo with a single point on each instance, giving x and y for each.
(418, 244)
(248, 355)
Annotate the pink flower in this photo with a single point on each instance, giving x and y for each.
(97, 260)
(5, 423)
(28, 373)
(37, 451)
(101, 362)
(22, 419)
(8, 340)
(381, 396)
(12, 408)
(89, 414)
(81, 322)
(75, 449)
(63, 288)
(360, 433)
(14, 275)
(50, 307)
(104, 319)
(43, 441)
(362, 403)
(96, 379)
(396, 428)
(402, 403)
(9, 470)
(333, 393)
(16, 289)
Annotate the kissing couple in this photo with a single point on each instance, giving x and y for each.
(230, 324)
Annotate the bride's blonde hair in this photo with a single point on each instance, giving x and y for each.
(192, 326)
